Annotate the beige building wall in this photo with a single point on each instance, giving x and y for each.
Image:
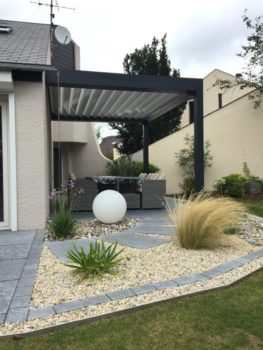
(235, 133)
(211, 94)
(33, 158)
(87, 159)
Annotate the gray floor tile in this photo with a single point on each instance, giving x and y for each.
(145, 288)
(17, 315)
(97, 299)
(121, 294)
(11, 269)
(23, 291)
(70, 306)
(22, 301)
(2, 318)
(154, 221)
(135, 240)
(19, 237)
(165, 284)
(14, 251)
(157, 230)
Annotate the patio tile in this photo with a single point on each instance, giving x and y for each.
(24, 291)
(11, 269)
(165, 284)
(135, 240)
(38, 313)
(60, 248)
(154, 221)
(211, 273)
(157, 230)
(186, 279)
(14, 251)
(22, 301)
(14, 238)
(16, 315)
(2, 318)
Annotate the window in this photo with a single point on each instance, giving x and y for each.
(220, 101)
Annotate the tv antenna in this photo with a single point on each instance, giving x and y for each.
(52, 5)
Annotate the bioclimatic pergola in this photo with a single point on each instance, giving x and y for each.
(109, 97)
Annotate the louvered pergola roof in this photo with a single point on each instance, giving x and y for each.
(92, 96)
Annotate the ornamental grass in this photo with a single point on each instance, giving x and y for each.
(202, 220)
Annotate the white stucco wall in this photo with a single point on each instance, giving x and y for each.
(235, 133)
(33, 161)
(86, 159)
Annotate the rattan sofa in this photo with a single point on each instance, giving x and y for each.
(88, 191)
(153, 190)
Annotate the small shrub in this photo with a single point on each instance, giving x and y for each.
(231, 185)
(96, 261)
(201, 221)
(188, 185)
(126, 166)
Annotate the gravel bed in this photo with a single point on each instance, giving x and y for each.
(88, 228)
(252, 230)
(91, 311)
(55, 283)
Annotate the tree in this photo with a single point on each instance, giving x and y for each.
(252, 76)
(151, 59)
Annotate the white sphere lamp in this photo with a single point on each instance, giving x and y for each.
(109, 207)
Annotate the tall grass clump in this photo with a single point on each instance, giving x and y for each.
(201, 221)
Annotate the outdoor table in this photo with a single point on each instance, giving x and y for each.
(114, 180)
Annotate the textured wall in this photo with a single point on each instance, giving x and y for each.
(235, 133)
(32, 137)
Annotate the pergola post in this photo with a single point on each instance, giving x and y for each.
(145, 126)
(199, 139)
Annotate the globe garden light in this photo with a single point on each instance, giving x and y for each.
(109, 206)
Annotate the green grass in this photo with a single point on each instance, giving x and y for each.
(230, 318)
(254, 207)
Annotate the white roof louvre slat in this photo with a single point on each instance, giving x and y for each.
(111, 98)
(91, 101)
(80, 102)
(168, 107)
(158, 103)
(70, 103)
(100, 102)
(119, 100)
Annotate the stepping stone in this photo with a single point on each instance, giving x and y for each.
(155, 221)
(135, 240)
(154, 230)
(60, 248)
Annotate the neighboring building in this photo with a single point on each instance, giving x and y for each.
(26, 140)
(231, 124)
(108, 144)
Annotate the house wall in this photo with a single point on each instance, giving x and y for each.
(33, 157)
(235, 133)
(211, 92)
(86, 159)
(69, 132)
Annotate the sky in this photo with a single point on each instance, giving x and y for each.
(201, 34)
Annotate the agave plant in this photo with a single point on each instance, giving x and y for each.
(97, 260)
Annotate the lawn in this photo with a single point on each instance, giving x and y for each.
(254, 207)
(225, 319)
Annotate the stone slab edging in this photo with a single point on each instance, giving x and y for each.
(70, 324)
(21, 314)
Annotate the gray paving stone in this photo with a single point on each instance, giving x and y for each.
(144, 288)
(223, 268)
(23, 291)
(14, 238)
(154, 221)
(186, 279)
(6, 293)
(254, 255)
(2, 318)
(135, 240)
(242, 260)
(200, 277)
(18, 302)
(69, 306)
(120, 294)
(11, 269)
(30, 262)
(15, 251)
(98, 299)
(16, 315)
(38, 313)
(60, 248)
(26, 281)
(157, 230)
(165, 284)
(211, 273)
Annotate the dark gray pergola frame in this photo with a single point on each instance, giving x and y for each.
(144, 83)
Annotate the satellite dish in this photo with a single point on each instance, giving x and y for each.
(62, 35)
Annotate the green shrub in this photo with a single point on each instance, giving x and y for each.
(201, 221)
(231, 185)
(126, 166)
(188, 185)
(96, 261)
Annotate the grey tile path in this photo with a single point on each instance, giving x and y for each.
(150, 229)
(19, 257)
(19, 270)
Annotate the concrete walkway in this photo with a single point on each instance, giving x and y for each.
(20, 253)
